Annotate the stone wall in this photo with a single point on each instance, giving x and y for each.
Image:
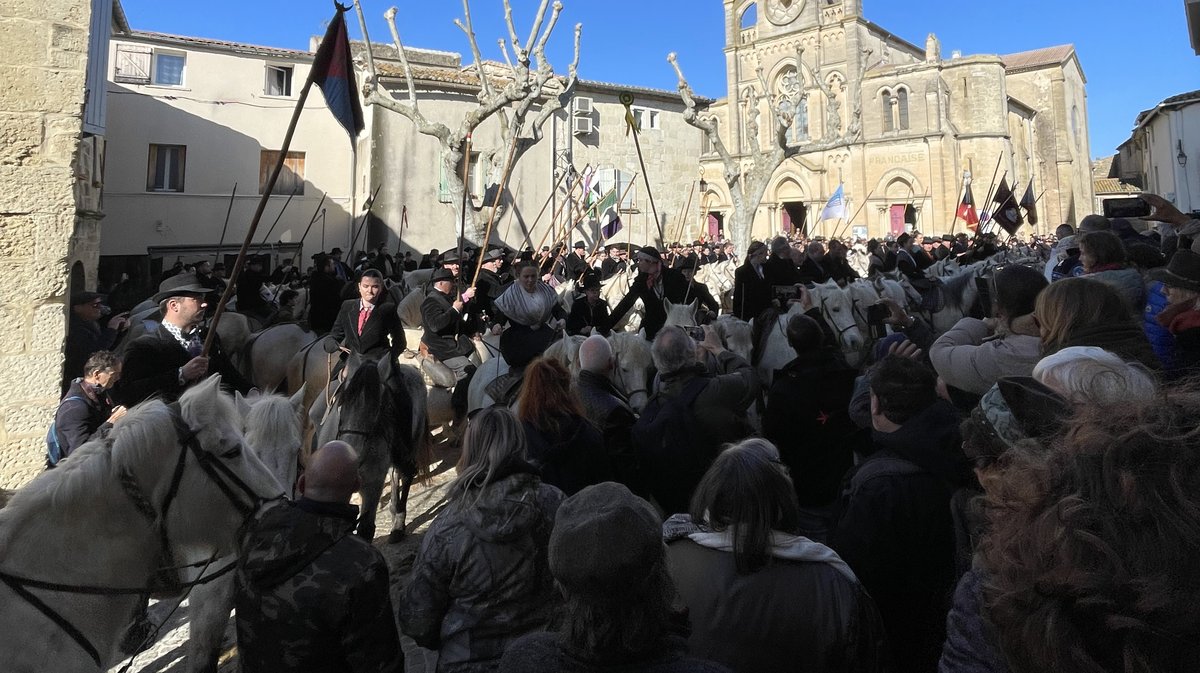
(42, 72)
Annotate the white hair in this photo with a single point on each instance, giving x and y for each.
(673, 350)
(1089, 374)
(595, 354)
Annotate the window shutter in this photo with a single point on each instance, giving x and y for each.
(133, 64)
(443, 185)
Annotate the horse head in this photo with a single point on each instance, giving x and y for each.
(222, 481)
(632, 360)
(837, 308)
(736, 335)
(680, 314)
(273, 427)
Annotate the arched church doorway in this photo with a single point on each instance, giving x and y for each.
(795, 217)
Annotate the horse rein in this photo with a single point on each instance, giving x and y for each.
(215, 469)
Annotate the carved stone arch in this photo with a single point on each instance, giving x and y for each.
(779, 70)
(895, 178)
(716, 197)
(788, 186)
(739, 14)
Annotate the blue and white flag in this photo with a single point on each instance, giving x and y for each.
(835, 208)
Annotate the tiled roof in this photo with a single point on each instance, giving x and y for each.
(236, 47)
(1112, 186)
(1102, 167)
(1145, 115)
(1037, 58)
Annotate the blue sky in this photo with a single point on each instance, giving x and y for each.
(1133, 54)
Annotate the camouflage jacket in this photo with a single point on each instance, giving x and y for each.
(312, 596)
(481, 578)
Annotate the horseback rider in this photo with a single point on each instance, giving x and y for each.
(445, 338)
(654, 284)
(589, 313)
(168, 360)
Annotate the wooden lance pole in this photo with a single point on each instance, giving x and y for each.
(226, 225)
(487, 237)
(231, 285)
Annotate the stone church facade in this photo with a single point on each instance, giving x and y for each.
(894, 123)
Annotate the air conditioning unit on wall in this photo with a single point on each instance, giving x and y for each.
(581, 105)
(581, 126)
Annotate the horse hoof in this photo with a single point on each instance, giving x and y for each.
(396, 536)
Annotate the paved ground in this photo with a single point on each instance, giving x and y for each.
(425, 500)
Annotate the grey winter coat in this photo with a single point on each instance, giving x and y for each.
(966, 358)
(481, 578)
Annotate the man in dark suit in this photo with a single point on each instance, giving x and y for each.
(815, 268)
(751, 287)
(654, 284)
(363, 325)
(444, 338)
(487, 288)
(613, 264)
(167, 361)
(576, 263)
(709, 306)
(324, 294)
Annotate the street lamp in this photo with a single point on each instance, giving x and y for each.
(1181, 157)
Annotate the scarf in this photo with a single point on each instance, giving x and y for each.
(783, 545)
(531, 309)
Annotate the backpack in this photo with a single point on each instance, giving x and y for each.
(674, 452)
(53, 448)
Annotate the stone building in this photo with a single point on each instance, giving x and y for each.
(1162, 154)
(895, 123)
(52, 146)
(591, 133)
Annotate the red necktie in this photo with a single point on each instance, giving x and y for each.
(363, 314)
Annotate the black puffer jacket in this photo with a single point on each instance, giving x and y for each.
(481, 578)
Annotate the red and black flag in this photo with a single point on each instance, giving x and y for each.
(333, 71)
(1007, 215)
(1029, 203)
(966, 209)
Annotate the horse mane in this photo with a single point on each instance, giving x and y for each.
(957, 287)
(383, 409)
(627, 345)
(142, 435)
(270, 417)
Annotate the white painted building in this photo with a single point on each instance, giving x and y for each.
(1163, 153)
(187, 119)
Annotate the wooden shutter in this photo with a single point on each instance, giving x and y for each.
(133, 64)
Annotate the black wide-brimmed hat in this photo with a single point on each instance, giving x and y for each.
(440, 275)
(591, 281)
(1182, 271)
(450, 256)
(493, 255)
(180, 285)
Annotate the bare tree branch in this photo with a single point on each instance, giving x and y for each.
(504, 50)
(518, 51)
(390, 15)
(485, 87)
(513, 101)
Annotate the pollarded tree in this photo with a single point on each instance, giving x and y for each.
(749, 175)
(525, 95)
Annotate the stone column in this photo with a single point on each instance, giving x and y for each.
(43, 62)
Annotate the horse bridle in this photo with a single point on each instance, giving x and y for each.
(220, 474)
(828, 316)
(619, 379)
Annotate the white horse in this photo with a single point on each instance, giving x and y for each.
(272, 427)
(267, 354)
(565, 350)
(736, 335)
(719, 277)
(837, 309)
(112, 516)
